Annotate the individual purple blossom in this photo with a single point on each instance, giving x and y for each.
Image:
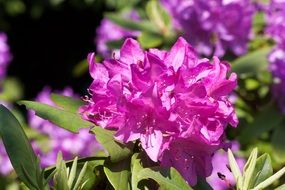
(82, 144)
(221, 166)
(213, 26)
(174, 103)
(109, 31)
(5, 54)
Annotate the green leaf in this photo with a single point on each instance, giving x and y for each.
(131, 24)
(278, 142)
(80, 68)
(67, 103)
(235, 169)
(270, 180)
(282, 187)
(167, 178)
(118, 174)
(202, 184)
(11, 90)
(116, 150)
(252, 63)
(158, 16)
(65, 119)
(19, 150)
(96, 161)
(115, 44)
(79, 182)
(265, 119)
(150, 40)
(249, 169)
(136, 167)
(60, 177)
(262, 170)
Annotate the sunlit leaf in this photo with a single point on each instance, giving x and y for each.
(65, 119)
(118, 174)
(167, 178)
(116, 150)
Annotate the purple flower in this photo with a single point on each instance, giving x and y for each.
(220, 166)
(275, 18)
(213, 26)
(175, 104)
(109, 31)
(277, 67)
(5, 164)
(5, 55)
(70, 144)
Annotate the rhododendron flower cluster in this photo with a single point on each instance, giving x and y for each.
(109, 31)
(275, 17)
(5, 54)
(221, 177)
(174, 103)
(70, 144)
(213, 26)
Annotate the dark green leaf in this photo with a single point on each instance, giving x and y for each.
(116, 150)
(19, 150)
(65, 119)
(266, 119)
(67, 103)
(118, 174)
(115, 44)
(278, 142)
(262, 170)
(252, 63)
(202, 185)
(167, 178)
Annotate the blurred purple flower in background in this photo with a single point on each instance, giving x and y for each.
(5, 164)
(173, 102)
(5, 54)
(109, 31)
(70, 144)
(213, 26)
(220, 166)
(275, 19)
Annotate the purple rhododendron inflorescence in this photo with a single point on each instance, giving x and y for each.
(173, 102)
(213, 26)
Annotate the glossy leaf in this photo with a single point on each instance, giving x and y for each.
(249, 168)
(65, 119)
(262, 170)
(167, 178)
(136, 167)
(270, 180)
(67, 103)
(235, 169)
(118, 174)
(116, 150)
(20, 151)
